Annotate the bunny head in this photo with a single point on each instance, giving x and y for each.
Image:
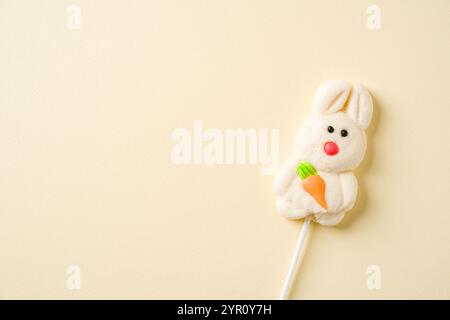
(332, 137)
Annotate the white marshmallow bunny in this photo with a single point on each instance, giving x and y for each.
(333, 141)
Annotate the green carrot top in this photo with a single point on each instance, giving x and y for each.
(306, 169)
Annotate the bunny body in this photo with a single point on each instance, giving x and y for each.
(334, 142)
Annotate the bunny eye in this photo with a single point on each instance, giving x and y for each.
(344, 133)
(330, 129)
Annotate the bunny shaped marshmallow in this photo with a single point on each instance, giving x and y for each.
(328, 147)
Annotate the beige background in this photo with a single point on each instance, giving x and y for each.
(85, 170)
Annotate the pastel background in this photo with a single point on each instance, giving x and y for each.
(85, 172)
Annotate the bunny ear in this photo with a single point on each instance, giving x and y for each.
(330, 97)
(360, 106)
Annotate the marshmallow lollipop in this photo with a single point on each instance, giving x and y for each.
(317, 182)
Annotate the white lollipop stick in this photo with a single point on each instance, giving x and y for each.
(295, 258)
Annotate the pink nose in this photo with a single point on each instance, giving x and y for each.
(330, 148)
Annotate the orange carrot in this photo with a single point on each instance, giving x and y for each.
(312, 183)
